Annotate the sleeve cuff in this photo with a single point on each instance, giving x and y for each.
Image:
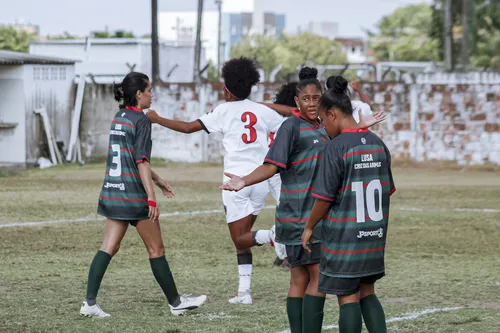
(144, 158)
(322, 197)
(278, 164)
(203, 125)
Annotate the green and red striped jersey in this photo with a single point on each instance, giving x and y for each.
(296, 151)
(355, 176)
(123, 196)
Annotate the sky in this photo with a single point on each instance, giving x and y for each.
(80, 17)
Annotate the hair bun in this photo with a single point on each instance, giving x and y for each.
(307, 73)
(337, 84)
(118, 91)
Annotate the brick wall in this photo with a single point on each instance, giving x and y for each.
(456, 122)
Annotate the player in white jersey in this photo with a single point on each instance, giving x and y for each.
(245, 126)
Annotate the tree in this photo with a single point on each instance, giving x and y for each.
(65, 35)
(405, 35)
(290, 51)
(12, 39)
(213, 74)
(116, 34)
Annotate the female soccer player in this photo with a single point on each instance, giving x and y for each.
(128, 197)
(245, 126)
(295, 153)
(352, 191)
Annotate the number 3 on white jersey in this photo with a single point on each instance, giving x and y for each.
(375, 214)
(116, 172)
(252, 120)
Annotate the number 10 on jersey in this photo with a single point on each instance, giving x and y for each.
(374, 213)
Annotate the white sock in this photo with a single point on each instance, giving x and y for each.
(245, 272)
(263, 236)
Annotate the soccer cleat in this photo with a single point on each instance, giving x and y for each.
(280, 249)
(92, 311)
(188, 303)
(242, 298)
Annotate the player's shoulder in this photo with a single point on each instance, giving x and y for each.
(292, 122)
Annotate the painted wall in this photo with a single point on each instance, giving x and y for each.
(425, 121)
(12, 140)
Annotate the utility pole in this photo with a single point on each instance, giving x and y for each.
(219, 36)
(155, 47)
(197, 49)
(448, 38)
(465, 34)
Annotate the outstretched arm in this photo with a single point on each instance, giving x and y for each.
(362, 96)
(264, 172)
(283, 110)
(175, 125)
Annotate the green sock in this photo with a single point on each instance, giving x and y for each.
(294, 311)
(164, 277)
(312, 313)
(350, 320)
(96, 272)
(373, 314)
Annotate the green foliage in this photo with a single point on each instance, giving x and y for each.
(116, 34)
(213, 74)
(291, 51)
(12, 39)
(404, 35)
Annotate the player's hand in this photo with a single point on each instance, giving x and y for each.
(154, 210)
(355, 85)
(235, 184)
(307, 237)
(152, 115)
(372, 119)
(165, 187)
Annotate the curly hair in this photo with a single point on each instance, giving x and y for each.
(286, 94)
(307, 76)
(240, 75)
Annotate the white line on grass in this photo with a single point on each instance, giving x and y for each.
(408, 316)
(215, 211)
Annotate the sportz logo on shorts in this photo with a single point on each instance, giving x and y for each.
(379, 233)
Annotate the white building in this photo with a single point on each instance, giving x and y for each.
(112, 58)
(354, 48)
(29, 82)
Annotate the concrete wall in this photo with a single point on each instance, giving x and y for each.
(425, 121)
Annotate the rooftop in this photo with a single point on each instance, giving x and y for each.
(111, 41)
(20, 58)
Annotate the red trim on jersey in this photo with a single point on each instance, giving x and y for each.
(348, 219)
(307, 159)
(281, 165)
(126, 174)
(297, 113)
(317, 196)
(124, 148)
(292, 219)
(364, 152)
(377, 249)
(133, 108)
(298, 191)
(124, 199)
(392, 191)
(365, 185)
(144, 157)
(123, 123)
(355, 130)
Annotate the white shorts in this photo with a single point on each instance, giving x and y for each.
(248, 201)
(275, 187)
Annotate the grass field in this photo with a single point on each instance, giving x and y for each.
(443, 262)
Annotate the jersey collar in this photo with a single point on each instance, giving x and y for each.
(355, 130)
(133, 108)
(298, 114)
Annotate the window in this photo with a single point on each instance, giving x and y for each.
(45, 73)
(53, 73)
(62, 73)
(36, 73)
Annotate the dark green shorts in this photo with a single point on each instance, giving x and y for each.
(298, 257)
(344, 286)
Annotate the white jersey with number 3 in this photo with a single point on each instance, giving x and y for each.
(245, 126)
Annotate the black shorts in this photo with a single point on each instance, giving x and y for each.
(344, 286)
(298, 257)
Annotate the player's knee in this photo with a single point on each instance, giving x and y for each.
(156, 251)
(111, 249)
